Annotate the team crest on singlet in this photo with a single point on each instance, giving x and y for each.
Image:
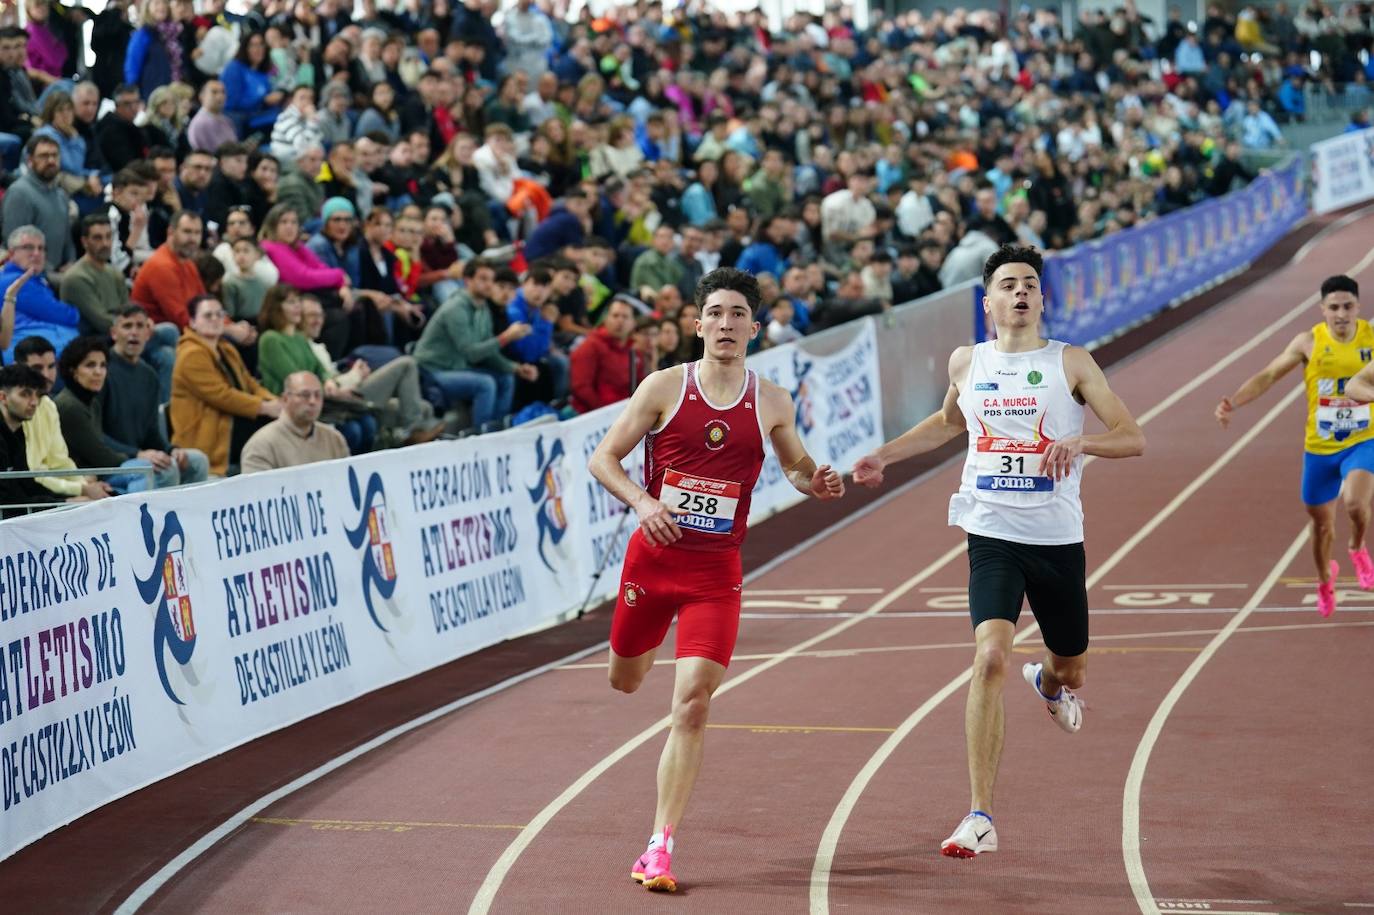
(631, 593)
(716, 431)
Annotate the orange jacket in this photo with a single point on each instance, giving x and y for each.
(204, 402)
(164, 285)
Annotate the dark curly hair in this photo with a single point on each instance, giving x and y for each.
(1012, 254)
(76, 353)
(731, 280)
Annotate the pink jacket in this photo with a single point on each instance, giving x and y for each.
(300, 267)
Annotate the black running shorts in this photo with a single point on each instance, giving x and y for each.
(1002, 574)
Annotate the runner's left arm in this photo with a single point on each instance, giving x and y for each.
(1123, 437)
(801, 471)
(1361, 387)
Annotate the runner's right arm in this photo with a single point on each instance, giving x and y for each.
(1293, 356)
(647, 405)
(930, 433)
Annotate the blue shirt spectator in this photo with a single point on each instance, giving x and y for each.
(38, 312)
(521, 309)
(1291, 97)
(1258, 129)
(563, 227)
(1189, 57)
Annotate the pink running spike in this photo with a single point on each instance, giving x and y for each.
(654, 867)
(1364, 568)
(1326, 591)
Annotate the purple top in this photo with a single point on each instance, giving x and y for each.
(46, 53)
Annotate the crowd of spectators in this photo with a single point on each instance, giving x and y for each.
(456, 215)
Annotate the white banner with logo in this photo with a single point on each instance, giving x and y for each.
(142, 635)
(1343, 170)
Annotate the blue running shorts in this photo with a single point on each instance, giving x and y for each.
(1322, 474)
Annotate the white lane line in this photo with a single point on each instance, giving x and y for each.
(1135, 779)
(1173, 587)
(806, 592)
(825, 854)
(147, 888)
(486, 893)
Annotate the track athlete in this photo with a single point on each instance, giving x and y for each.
(1020, 398)
(1338, 454)
(703, 426)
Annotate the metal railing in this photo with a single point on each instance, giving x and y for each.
(60, 503)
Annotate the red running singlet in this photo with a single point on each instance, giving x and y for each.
(703, 463)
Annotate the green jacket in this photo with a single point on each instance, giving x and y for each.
(282, 354)
(97, 291)
(303, 194)
(768, 197)
(655, 271)
(459, 337)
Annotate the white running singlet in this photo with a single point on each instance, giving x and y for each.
(1015, 405)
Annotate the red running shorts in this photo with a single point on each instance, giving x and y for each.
(700, 588)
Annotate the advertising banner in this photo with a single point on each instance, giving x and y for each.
(1100, 288)
(1342, 170)
(147, 633)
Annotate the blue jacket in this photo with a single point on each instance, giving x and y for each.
(146, 64)
(38, 312)
(558, 230)
(536, 345)
(698, 205)
(245, 88)
(762, 257)
(1291, 98)
(350, 262)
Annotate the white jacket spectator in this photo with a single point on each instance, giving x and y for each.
(966, 261)
(529, 35)
(298, 126)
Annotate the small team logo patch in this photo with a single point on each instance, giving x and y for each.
(985, 386)
(631, 593)
(716, 431)
(1365, 355)
(1035, 377)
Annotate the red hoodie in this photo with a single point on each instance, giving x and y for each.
(601, 369)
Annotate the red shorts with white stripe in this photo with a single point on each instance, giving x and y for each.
(701, 588)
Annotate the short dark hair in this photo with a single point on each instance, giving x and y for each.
(193, 306)
(1340, 283)
(540, 275)
(507, 276)
(477, 263)
(76, 352)
(38, 140)
(126, 89)
(35, 345)
(1012, 254)
(129, 310)
(91, 221)
(210, 268)
(161, 152)
(731, 280)
(127, 177)
(18, 375)
(179, 215)
(231, 148)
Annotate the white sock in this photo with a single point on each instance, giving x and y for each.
(656, 840)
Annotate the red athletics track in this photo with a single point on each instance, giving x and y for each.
(836, 764)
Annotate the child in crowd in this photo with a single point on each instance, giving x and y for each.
(243, 287)
(780, 329)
